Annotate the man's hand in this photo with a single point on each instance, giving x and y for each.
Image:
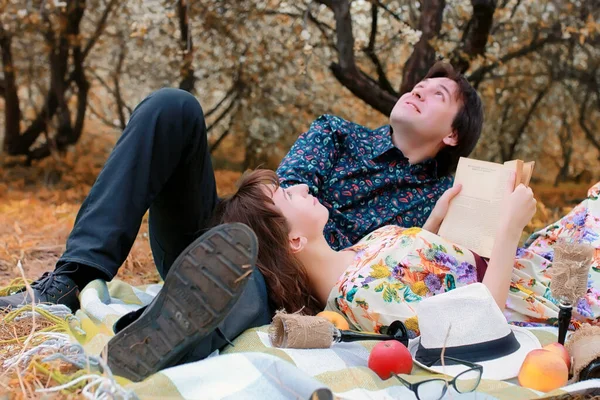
(441, 209)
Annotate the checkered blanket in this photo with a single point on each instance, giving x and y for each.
(253, 369)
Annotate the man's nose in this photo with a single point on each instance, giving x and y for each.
(418, 93)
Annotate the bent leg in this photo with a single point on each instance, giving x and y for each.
(160, 162)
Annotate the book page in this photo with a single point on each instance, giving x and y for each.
(527, 172)
(517, 166)
(474, 214)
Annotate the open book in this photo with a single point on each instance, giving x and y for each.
(474, 214)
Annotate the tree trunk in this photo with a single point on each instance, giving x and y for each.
(79, 77)
(188, 79)
(423, 55)
(12, 110)
(512, 149)
(566, 139)
(476, 34)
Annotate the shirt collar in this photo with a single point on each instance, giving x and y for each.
(382, 139)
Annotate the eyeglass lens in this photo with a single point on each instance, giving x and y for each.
(467, 381)
(432, 390)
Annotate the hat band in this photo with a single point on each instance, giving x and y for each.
(483, 351)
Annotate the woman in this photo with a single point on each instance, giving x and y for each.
(382, 277)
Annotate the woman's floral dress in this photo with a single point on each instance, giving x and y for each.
(395, 268)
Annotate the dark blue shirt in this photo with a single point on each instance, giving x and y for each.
(362, 178)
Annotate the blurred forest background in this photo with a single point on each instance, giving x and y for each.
(263, 70)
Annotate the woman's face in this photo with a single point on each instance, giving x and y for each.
(305, 215)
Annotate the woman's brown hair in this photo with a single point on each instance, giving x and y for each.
(286, 278)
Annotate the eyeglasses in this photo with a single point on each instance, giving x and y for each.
(434, 389)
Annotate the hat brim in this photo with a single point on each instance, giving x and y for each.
(499, 369)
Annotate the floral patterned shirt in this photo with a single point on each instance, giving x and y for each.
(362, 178)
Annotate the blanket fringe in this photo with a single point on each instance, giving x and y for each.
(13, 286)
(51, 344)
(55, 314)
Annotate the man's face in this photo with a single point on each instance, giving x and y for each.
(428, 110)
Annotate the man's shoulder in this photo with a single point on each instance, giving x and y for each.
(338, 124)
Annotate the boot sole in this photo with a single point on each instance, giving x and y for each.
(202, 286)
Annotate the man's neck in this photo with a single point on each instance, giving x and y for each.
(324, 266)
(416, 152)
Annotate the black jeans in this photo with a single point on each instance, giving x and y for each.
(161, 163)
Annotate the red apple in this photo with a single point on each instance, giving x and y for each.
(390, 357)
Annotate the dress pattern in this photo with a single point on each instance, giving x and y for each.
(362, 178)
(395, 268)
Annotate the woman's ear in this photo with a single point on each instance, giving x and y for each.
(451, 139)
(297, 243)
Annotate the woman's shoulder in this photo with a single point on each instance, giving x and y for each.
(390, 231)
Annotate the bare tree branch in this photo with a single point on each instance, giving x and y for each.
(225, 133)
(117, 83)
(423, 55)
(12, 110)
(582, 114)
(566, 139)
(346, 71)
(510, 154)
(100, 26)
(370, 51)
(475, 35)
(554, 37)
(188, 79)
(514, 10)
(102, 117)
(234, 88)
(387, 9)
(224, 113)
(345, 37)
(80, 80)
(110, 89)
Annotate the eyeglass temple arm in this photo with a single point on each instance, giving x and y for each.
(404, 381)
(467, 363)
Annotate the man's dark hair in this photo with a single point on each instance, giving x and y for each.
(467, 123)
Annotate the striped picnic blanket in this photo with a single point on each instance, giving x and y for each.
(253, 369)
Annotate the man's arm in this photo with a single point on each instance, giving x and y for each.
(312, 156)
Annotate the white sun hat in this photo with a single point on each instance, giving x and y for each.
(469, 324)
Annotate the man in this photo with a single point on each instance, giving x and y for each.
(366, 178)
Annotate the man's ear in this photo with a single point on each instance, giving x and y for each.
(451, 139)
(297, 243)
